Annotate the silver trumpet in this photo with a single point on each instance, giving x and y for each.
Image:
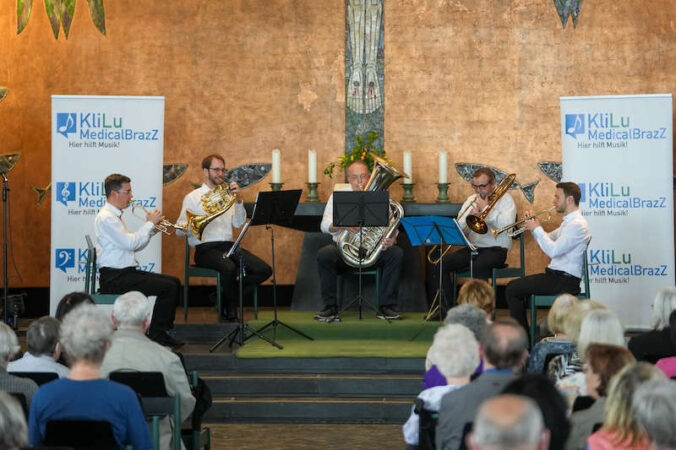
(163, 226)
(520, 230)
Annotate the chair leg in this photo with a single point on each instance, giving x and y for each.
(185, 297)
(218, 295)
(533, 320)
(378, 292)
(255, 302)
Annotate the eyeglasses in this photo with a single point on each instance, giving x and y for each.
(124, 191)
(480, 186)
(218, 169)
(359, 177)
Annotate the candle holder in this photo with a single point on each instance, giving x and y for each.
(408, 193)
(276, 186)
(312, 196)
(443, 193)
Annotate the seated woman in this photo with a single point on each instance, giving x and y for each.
(456, 353)
(85, 336)
(559, 342)
(657, 343)
(478, 293)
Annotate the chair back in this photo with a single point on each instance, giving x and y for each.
(80, 434)
(40, 378)
(585, 293)
(90, 270)
(146, 384)
(21, 398)
(427, 425)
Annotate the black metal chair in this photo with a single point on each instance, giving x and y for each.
(80, 434)
(196, 436)
(90, 277)
(427, 425)
(40, 378)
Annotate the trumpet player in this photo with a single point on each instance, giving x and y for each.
(119, 272)
(565, 246)
(492, 250)
(217, 237)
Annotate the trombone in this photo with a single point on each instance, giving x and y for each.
(520, 230)
(163, 225)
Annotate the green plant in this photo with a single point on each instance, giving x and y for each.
(363, 150)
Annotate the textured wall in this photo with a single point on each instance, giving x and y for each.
(478, 78)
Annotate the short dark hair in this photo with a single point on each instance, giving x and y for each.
(206, 162)
(42, 336)
(70, 301)
(570, 189)
(505, 350)
(114, 182)
(484, 171)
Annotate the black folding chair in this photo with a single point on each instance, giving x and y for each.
(21, 398)
(427, 425)
(40, 378)
(80, 434)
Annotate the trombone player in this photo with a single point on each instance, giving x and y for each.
(217, 237)
(492, 250)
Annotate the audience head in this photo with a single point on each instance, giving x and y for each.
(42, 336)
(619, 415)
(9, 344)
(131, 310)
(573, 321)
(508, 422)
(664, 304)
(552, 405)
(505, 345)
(470, 316)
(655, 406)
(603, 361)
(70, 301)
(559, 311)
(85, 334)
(13, 429)
(478, 293)
(455, 351)
(600, 326)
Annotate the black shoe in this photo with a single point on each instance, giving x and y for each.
(328, 314)
(388, 313)
(163, 338)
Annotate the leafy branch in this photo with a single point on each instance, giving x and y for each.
(60, 14)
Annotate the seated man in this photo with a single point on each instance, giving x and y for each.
(44, 349)
(132, 350)
(9, 346)
(13, 428)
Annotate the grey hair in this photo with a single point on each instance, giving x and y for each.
(85, 334)
(654, 403)
(505, 344)
(13, 428)
(42, 336)
(131, 309)
(470, 316)
(663, 304)
(9, 344)
(455, 351)
(525, 425)
(600, 326)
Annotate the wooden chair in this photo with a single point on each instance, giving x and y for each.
(90, 277)
(40, 378)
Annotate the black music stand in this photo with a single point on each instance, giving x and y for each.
(361, 209)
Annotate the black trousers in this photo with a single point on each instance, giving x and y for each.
(330, 264)
(210, 255)
(458, 261)
(166, 288)
(549, 283)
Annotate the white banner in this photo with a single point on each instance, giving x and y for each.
(619, 150)
(92, 137)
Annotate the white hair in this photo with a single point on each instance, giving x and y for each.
(131, 309)
(654, 403)
(9, 344)
(455, 351)
(85, 333)
(663, 304)
(600, 326)
(13, 429)
(524, 426)
(470, 316)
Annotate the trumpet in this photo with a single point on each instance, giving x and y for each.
(520, 230)
(163, 225)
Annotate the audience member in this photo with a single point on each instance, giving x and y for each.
(655, 406)
(44, 349)
(553, 407)
(471, 317)
(657, 343)
(85, 336)
(70, 301)
(456, 353)
(478, 293)
(9, 345)
(13, 429)
(603, 361)
(131, 349)
(620, 428)
(509, 422)
(505, 347)
(559, 343)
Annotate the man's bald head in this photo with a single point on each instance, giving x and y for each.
(505, 344)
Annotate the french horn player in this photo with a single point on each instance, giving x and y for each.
(334, 258)
(209, 213)
(489, 207)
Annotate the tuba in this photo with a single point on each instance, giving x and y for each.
(382, 176)
(478, 223)
(215, 202)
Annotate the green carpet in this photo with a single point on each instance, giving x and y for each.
(352, 337)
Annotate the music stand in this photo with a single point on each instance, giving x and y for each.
(361, 209)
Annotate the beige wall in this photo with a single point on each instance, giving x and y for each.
(478, 78)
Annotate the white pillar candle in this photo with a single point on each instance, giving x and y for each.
(443, 168)
(311, 166)
(276, 166)
(408, 170)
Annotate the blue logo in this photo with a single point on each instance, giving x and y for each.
(583, 192)
(574, 125)
(65, 259)
(66, 124)
(65, 192)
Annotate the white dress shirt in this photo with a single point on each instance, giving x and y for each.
(42, 363)
(219, 229)
(502, 214)
(327, 218)
(116, 245)
(566, 244)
